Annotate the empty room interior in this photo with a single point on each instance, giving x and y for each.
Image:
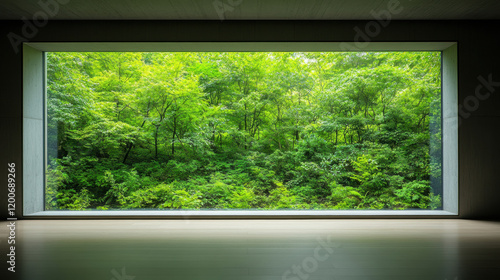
(250, 139)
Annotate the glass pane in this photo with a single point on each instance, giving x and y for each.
(244, 130)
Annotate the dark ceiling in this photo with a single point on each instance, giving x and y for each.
(251, 9)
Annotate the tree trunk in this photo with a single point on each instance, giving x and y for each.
(156, 141)
(128, 151)
(130, 146)
(173, 135)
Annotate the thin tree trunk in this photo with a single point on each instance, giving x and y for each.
(131, 145)
(173, 135)
(156, 141)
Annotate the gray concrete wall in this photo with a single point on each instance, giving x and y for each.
(478, 44)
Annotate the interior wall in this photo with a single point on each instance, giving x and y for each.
(478, 86)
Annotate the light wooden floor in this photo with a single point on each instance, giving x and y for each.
(255, 249)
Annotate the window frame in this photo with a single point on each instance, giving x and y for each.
(34, 127)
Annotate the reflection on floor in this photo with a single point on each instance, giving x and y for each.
(254, 249)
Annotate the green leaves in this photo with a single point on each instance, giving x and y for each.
(243, 199)
(368, 174)
(183, 200)
(281, 198)
(345, 198)
(416, 195)
(241, 130)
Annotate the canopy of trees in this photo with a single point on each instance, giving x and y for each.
(252, 130)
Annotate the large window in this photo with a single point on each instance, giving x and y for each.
(244, 130)
(210, 128)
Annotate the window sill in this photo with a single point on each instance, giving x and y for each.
(183, 214)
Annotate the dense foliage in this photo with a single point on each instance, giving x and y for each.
(244, 130)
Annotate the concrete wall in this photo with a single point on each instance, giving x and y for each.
(478, 44)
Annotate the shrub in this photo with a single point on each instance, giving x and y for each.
(242, 199)
(181, 199)
(344, 197)
(415, 194)
(281, 198)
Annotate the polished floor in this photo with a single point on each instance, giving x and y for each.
(254, 249)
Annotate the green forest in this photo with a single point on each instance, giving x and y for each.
(243, 130)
